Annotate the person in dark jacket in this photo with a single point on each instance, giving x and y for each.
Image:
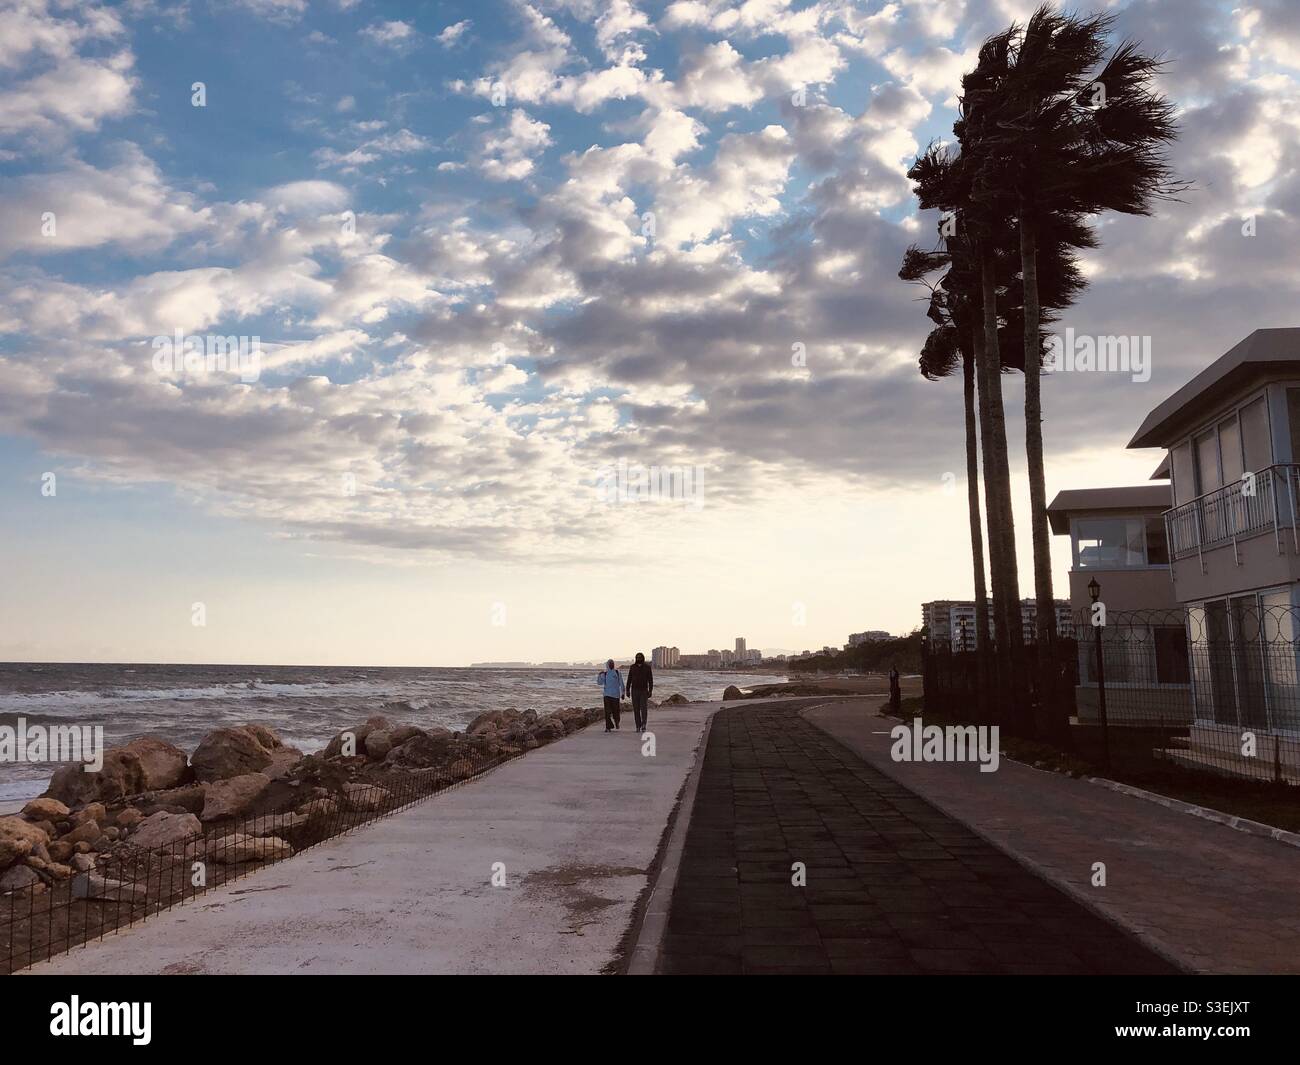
(640, 683)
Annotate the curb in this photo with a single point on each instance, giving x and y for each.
(1241, 824)
(644, 956)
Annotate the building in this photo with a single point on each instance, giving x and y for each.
(1117, 538)
(665, 658)
(870, 636)
(1231, 436)
(694, 662)
(952, 621)
(740, 648)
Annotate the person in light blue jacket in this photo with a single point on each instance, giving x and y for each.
(611, 685)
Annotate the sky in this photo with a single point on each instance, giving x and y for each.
(493, 254)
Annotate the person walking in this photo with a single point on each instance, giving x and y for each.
(895, 693)
(611, 685)
(640, 683)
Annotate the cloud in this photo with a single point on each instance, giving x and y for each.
(392, 34)
(508, 153)
(453, 33)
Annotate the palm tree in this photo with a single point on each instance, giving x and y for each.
(1048, 151)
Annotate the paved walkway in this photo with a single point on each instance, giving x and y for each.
(576, 826)
(893, 885)
(1218, 900)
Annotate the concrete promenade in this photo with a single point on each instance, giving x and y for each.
(575, 826)
(1214, 899)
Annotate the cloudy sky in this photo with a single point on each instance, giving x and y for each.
(491, 251)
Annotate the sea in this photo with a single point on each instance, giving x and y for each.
(306, 705)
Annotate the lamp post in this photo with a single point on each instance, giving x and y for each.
(1094, 593)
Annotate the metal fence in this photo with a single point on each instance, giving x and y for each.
(47, 919)
(1212, 688)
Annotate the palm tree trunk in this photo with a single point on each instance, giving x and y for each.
(997, 475)
(973, 501)
(1046, 601)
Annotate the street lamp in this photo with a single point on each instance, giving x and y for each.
(1094, 593)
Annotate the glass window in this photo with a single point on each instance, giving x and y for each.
(1184, 474)
(1172, 666)
(1157, 545)
(1110, 543)
(1230, 450)
(1207, 462)
(1255, 443)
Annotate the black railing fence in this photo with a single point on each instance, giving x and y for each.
(130, 884)
(1214, 688)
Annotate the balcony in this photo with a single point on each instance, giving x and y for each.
(1230, 515)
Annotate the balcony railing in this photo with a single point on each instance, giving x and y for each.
(1236, 512)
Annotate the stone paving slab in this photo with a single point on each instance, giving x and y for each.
(1217, 900)
(893, 885)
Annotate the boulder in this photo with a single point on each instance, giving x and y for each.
(277, 824)
(161, 764)
(422, 752)
(17, 839)
(59, 872)
(142, 764)
(733, 692)
(319, 808)
(92, 886)
(45, 809)
(129, 818)
(61, 851)
(265, 736)
(186, 799)
(86, 832)
(365, 796)
(403, 733)
(227, 798)
(530, 716)
(378, 743)
(164, 829)
(229, 752)
(283, 759)
(241, 848)
(82, 863)
(93, 811)
(484, 722)
(17, 878)
(677, 698)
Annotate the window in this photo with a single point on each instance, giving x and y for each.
(1110, 543)
(1255, 443)
(1207, 462)
(1157, 544)
(1172, 665)
(1184, 474)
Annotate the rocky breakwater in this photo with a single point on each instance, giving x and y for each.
(243, 795)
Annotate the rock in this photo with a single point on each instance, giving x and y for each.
(93, 811)
(365, 796)
(59, 872)
(677, 698)
(33, 862)
(87, 832)
(241, 848)
(60, 851)
(144, 763)
(92, 886)
(48, 828)
(403, 733)
(733, 692)
(277, 824)
(164, 829)
(265, 736)
(83, 863)
(283, 759)
(229, 752)
(422, 752)
(187, 799)
(45, 809)
(549, 730)
(319, 808)
(129, 818)
(17, 838)
(530, 716)
(226, 798)
(378, 744)
(17, 878)
(42, 852)
(162, 765)
(111, 833)
(83, 847)
(489, 719)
